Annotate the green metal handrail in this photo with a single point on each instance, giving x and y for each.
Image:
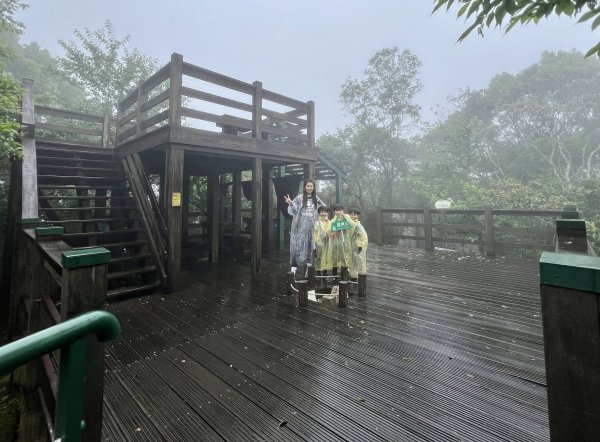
(69, 336)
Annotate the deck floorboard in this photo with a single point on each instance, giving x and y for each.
(445, 347)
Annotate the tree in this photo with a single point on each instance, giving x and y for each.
(7, 20)
(10, 91)
(378, 145)
(104, 67)
(51, 85)
(488, 13)
(542, 124)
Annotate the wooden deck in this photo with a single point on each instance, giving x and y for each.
(446, 347)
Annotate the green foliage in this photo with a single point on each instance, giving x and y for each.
(10, 104)
(493, 13)
(51, 85)
(542, 124)
(7, 11)
(103, 65)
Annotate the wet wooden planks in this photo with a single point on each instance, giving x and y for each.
(445, 347)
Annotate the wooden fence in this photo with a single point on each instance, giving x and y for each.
(485, 231)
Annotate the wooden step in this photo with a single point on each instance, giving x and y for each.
(63, 147)
(78, 168)
(131, 272)
(112, 162)
(100, 234)
(121, 291)
(122, 259)
(70, 187)
(96, 220)
(71, 209)
(116, 245)
(79, 178)
(87, 197)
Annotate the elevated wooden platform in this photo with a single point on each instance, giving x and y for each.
(446, 347)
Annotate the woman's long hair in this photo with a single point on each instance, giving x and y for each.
(305, 195)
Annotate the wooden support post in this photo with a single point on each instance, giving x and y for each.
(281, 219)
(343, 294)
(344, 274)
(571, 236)
(83, 289)
(214, 215)
(140, 116)
(290, 283)
(570, 295)
(256, 241)
(311, 275)
(257, 110)
(176, 80)
(29, 195)
(302, 292)
(427, 228)
(379, 225)
(362, 285)
(174, 189)
(338, 189)
(490, 236)
(309, 171)
(185, 209)
(236, 203)
(106, 131)
(31, 415)
(268, 237)
(311, 125)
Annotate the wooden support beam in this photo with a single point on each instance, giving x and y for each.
(236, 203)
(185, 201)
(257, 110)
(428, 229)
(311, 125)
(173, 190)
(140, 115)
(309, 171)
(176, 80)
(490, 240)
(214, 215)
(29, 199)
(256, 241)
(268, 234)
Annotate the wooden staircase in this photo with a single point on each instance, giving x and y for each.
(85, 190)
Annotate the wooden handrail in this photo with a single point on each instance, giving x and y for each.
(132, 109)
(485, 232)
(148, 206)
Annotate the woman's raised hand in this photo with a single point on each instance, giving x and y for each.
(288, 199)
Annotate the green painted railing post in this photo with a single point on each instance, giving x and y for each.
(69, 404)
(84, 287)
(570, 295)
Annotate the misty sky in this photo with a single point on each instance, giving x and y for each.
(307, 48)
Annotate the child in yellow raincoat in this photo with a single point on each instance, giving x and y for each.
(360, 242)
(340, 232)
(322, 251)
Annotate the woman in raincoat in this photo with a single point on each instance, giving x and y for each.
(303, 208)
(359, 241)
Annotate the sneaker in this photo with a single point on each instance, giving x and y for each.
(293, 270)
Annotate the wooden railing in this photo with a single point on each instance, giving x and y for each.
(485, 231)
(53, 124)
(167, 98)
(53, 283)
(149, 209)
